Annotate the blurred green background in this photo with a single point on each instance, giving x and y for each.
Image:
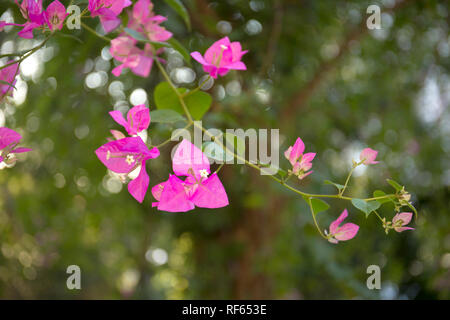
(314, 71)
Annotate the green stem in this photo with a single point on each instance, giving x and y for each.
(314, 218)
(179, 95)
(220, 167)
(171, 138)
(347, 180)
(94, 32)
(309, 196)
(28, 53)
(188, 93)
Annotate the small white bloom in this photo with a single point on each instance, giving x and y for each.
(130, 159)
(204, 173)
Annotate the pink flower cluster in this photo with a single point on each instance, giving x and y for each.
(126, 154)
(9, 139)
(199, 189)
(341, 233)
(221, 57)
(129, 153)
(124, 48)
(8, 75)
(108, 11)
(301, 163)
(36, 17)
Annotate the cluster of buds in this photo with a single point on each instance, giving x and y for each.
(403, 198)
(301, 163)
(398, 222)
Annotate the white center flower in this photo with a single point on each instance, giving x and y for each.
(203, 173)
(224, 47)
(130, 159)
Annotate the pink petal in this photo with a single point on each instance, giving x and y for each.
(308, 157)
(404, 216)
(210, 193)
(157, 190)
(369, 156)
(213, 52)
(335, 224)
(141, 10)
(239, 65)
(117, 134)
(117, 71)
(138, 187)
(212, 70)
(347, 232)
(174, 197)
(21, 150)
(138, 119)
(108, 19)
(288, 152)
(197, 56)
(55, 9)
(401, 229)
(118, 117)
(297, 151)
(8, 137)
(188, 159)
(113, 154)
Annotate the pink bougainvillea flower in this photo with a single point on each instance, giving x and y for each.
(341, 233)
(108, 11)
(221, 57)
(32, 11)
(198, 189)
(124, 156)
(368, 156)
(301, 163)
(400, 220)
(55, 15)
(138, 119)
(143, 20)
(124, 49)
(9, 139)
(8, 74)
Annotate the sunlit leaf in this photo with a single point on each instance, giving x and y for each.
(366, 206)
(197, 103)
(337, 185)
(166, 116)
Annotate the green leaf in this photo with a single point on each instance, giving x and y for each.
(319, 205)
(198, 103)
(379, 193)
(181, 49)
(413, 209)
(366, 206)
(136, 35)
(337, 185)
(166, 116)
(179, 8)
(213, 151)
(7, 83)
(395, 184)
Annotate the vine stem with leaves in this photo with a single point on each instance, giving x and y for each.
(190, 122)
